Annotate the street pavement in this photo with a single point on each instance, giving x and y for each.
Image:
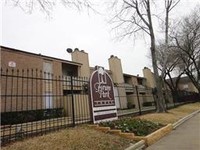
(184, 137)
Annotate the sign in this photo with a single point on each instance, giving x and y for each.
(12, 64)
(102, 96)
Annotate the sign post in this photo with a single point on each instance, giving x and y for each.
(102, 96)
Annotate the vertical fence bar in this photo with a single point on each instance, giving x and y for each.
(5, 96)
(165, 100)
(36, 95)
(53, 99)
(57, 97)
(32, 92)
(72, 95)
(22, 98)
(27, 98)
(17, 92)
(138, 100)
(11, 92)
(41, 97)
(49, 99)
(61, 97)
(79, 116)
(6, 86)
(45, 98)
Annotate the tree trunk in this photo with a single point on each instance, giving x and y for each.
(160, 98)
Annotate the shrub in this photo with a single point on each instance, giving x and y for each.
(137, 126)
(130, 105)
(146, 104)
(30, 115)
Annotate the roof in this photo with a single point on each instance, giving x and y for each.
(108, 71)
(183, 80)
(129, 75)
(39, 55)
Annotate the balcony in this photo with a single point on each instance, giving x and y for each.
(76, 83)
(141, 89)
(129, 88)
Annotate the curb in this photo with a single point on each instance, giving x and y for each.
(141, 144)
(179, 122)
(137, 146)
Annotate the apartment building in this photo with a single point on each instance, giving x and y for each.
(125, 84)
(30, 68)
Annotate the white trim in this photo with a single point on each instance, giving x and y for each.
(104, 108)
(105, 120)
(104, 112)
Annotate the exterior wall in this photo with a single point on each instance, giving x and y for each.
(118, 78)
(25, 61)
(116, 69)
(150, 81)
(82, 57)
(81, 106)
(134, 80)
(27, 82)
(129, 79)
(22, 60)
(189, 86)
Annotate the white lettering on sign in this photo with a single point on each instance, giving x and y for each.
(101, 86)
(12, 64)
(103, 90)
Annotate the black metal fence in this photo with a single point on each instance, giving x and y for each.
(131, 99)
(35, 102)
(185, 96)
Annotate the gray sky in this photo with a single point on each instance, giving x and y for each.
(68, 28)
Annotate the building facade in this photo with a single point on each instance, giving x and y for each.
(128, 88)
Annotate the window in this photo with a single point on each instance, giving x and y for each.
(48, 100)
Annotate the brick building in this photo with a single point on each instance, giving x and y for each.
(30, 64)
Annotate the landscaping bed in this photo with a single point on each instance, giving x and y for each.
(139, 127)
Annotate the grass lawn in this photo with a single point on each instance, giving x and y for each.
(173, 115)
(85, 138)
(81, 137)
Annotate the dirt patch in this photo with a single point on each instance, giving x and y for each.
(83, 138)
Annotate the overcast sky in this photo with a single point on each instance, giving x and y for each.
(68, 28)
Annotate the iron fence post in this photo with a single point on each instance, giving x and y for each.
(140, 112)
(72, 94)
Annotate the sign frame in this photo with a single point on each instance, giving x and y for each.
(103, 106)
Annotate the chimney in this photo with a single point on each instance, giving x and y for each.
(82, 57)
(116, 69)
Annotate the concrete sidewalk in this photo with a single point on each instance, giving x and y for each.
(185, 137)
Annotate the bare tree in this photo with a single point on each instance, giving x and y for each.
(170, 60)
(167, 65)
(47, 6)
(169, 5)
(187, 43)
(135, 16)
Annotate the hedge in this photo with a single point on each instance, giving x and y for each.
(30, 115)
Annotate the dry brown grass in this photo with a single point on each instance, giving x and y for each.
(173, 115)
(83, 138)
